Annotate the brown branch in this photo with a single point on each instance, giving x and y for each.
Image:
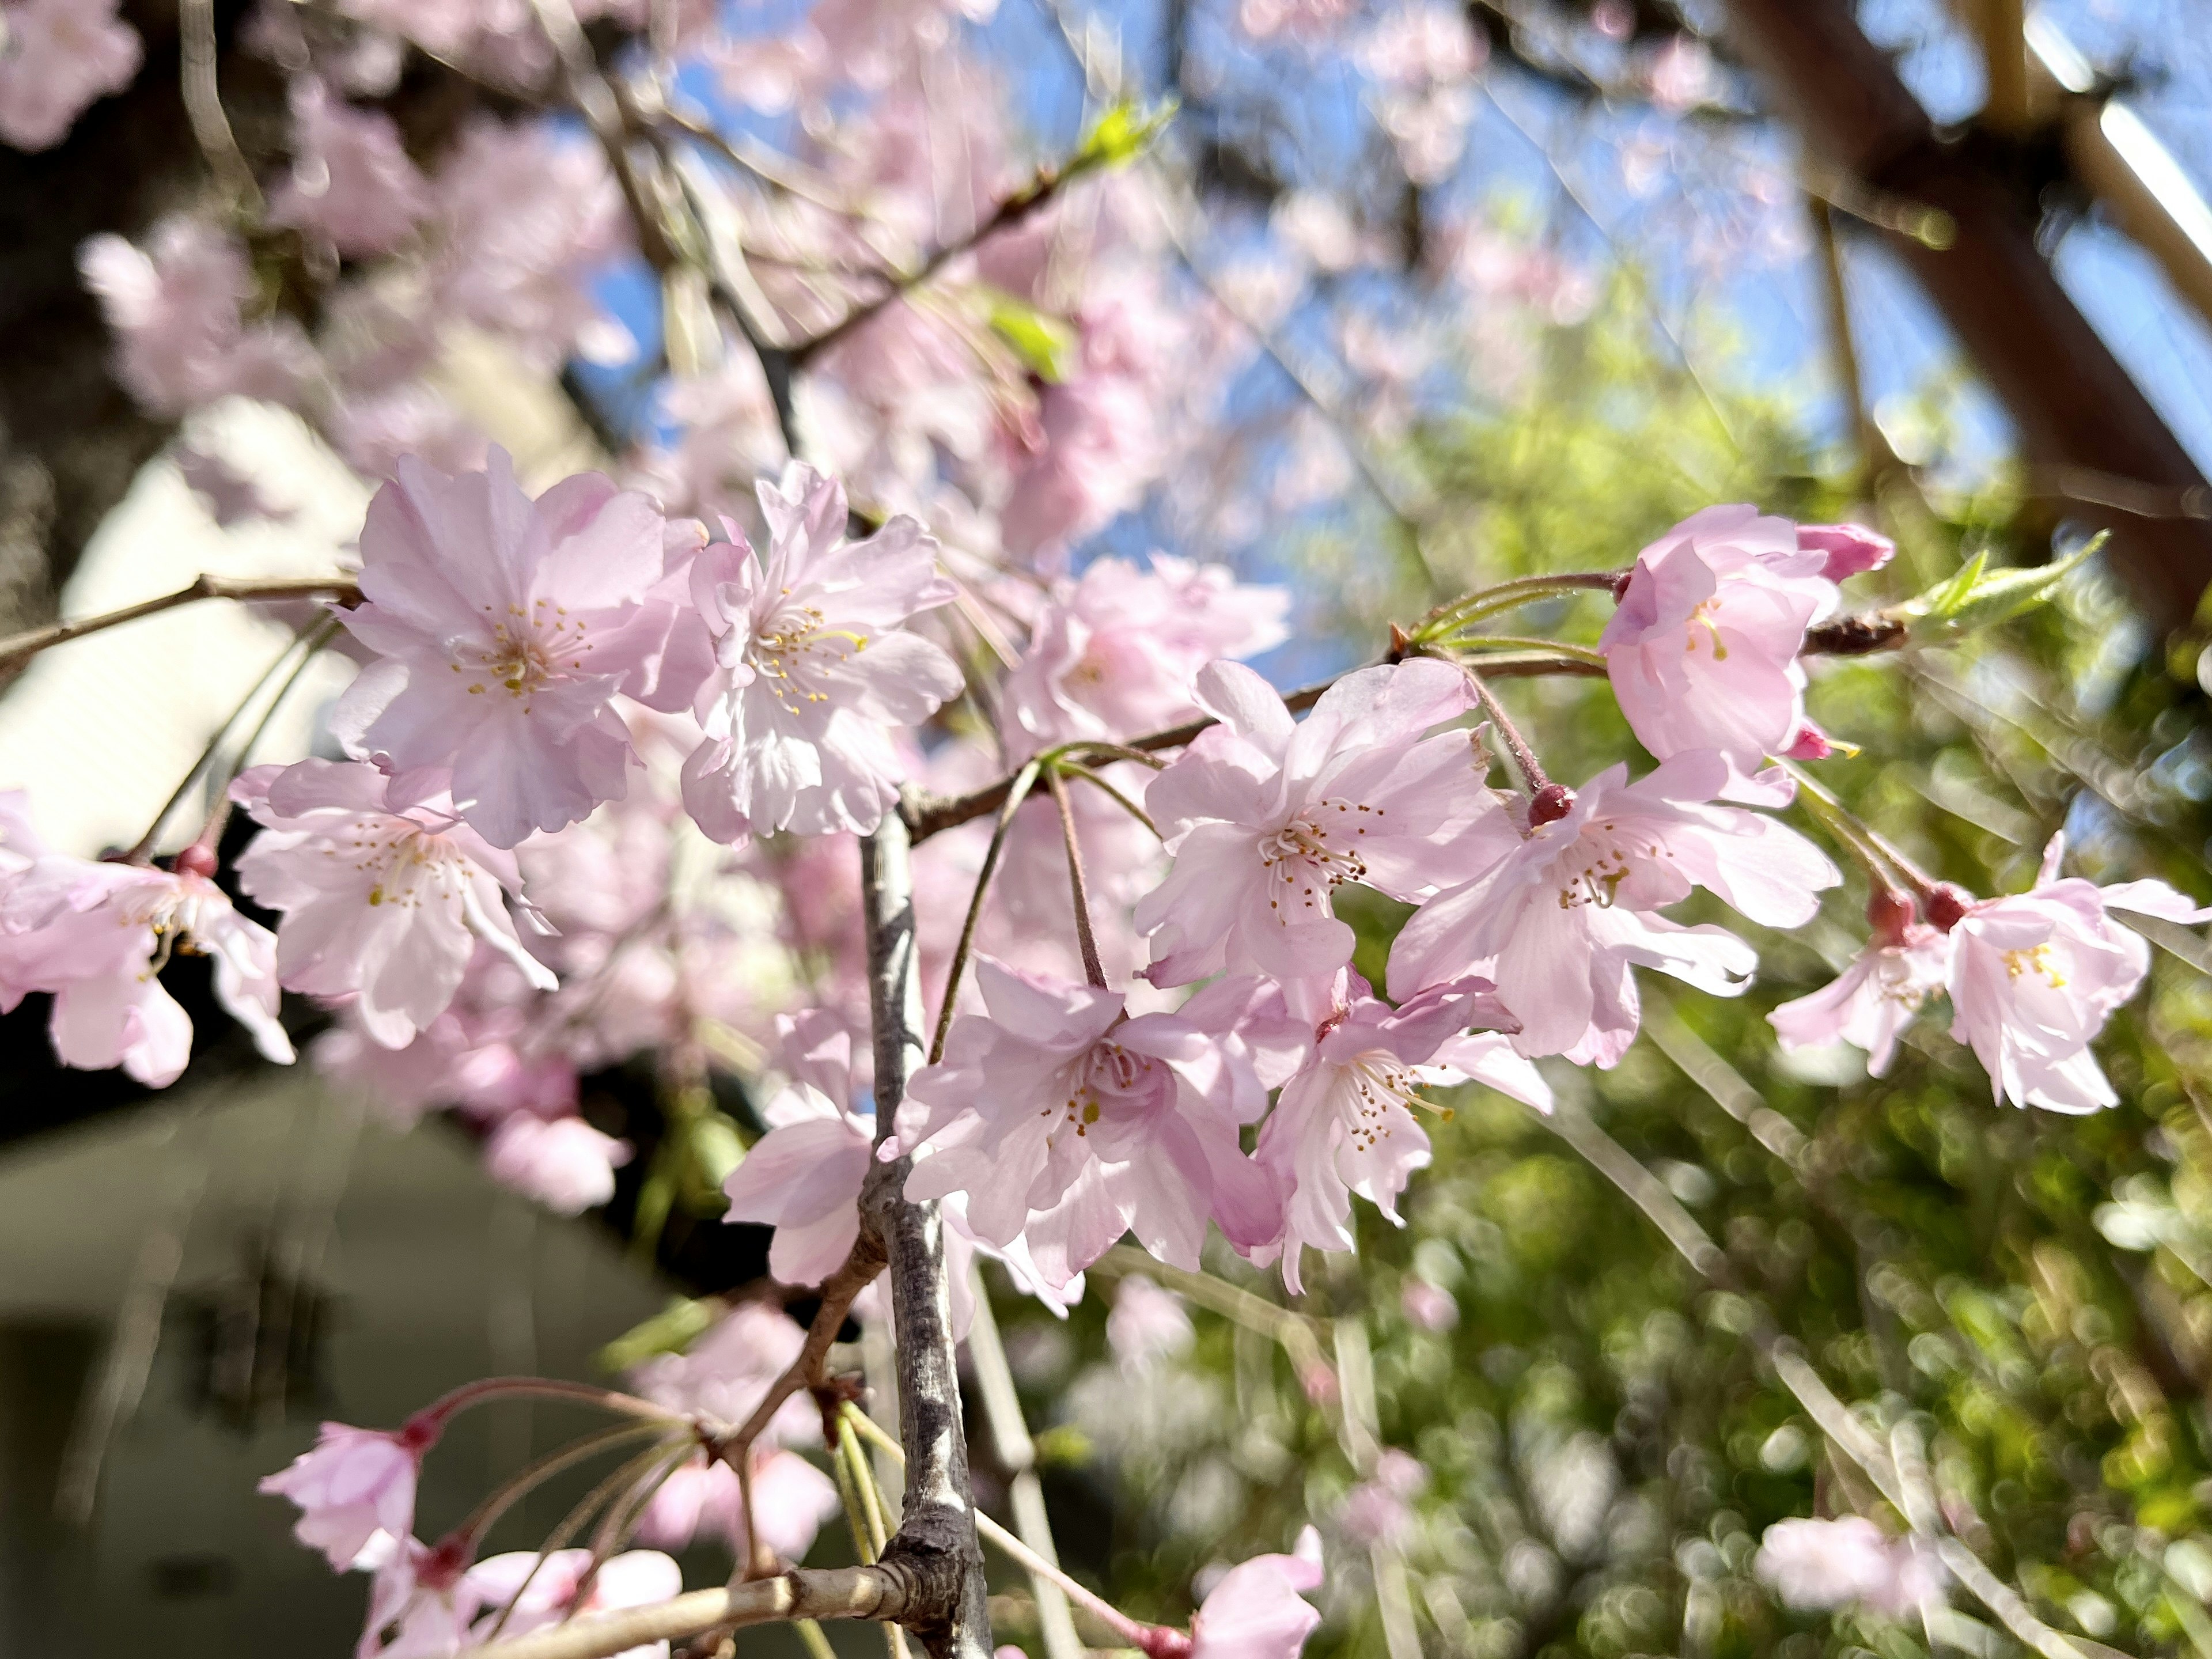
(884, 1592)
(838, 1292)
(344, 589)
(1016, 207)
(1846, 637)
(948, 1606)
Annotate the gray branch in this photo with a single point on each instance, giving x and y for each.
(936, 1544)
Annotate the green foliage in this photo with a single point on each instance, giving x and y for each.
(2028, 1296)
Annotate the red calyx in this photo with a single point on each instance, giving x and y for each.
(1947, 906)
(194, 860)
(1550, 804)
(1890, 913)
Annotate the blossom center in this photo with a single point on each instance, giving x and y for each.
(526, 651)
(1591, 871)
(2036, 961)
(1108, 1079)
(790, 649)
(1373, 1084)
(1705, 615)
(1315, 853)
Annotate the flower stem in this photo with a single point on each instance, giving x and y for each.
(314, 640)
(433, 1418)
(1507, 596)
(1016, 793)
(1524, 758)
(1093, 969)
(480, 1520)
(1520, 643)
(1868, 844)
(1137, 1633)
(1100, 781)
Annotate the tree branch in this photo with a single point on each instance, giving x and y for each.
(1846, 637)
(867, 1592)
(25, 645)
(935, 1545)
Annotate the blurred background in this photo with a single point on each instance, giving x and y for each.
(1405, 297)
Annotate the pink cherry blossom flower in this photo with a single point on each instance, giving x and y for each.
(1850, 549)
(174, 309)
(351, 184)
(726, 1372)
(1905, 964)
(812, 665)
(1560, 923)
(1702, 651)
(549, 1591)
(563, 1163)
(1258, 1610)
(1113, 654)
(1819, 1565)
(1430, 1306)
(384, 891)
(505, 628)
(803, 1177)
(2034, 976)
(526, 220)
(421, 1600)
(57, 56)
(1147, 1326)
(1067, 1123)
(1343, 1124)
(1379, 1510)
(353, 1484)
(1267, 817)
(790, 1500)
(98, 935)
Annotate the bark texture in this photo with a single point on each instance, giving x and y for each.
(936, 1542)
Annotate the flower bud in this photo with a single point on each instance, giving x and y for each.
(1852, 549)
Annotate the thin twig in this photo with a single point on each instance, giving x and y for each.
(1009, 213)
(1524, 758)
(22, 646)
(1016, 788)
(1086, 940)
(817, 1592)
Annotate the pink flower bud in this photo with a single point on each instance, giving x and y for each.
(1852, 549)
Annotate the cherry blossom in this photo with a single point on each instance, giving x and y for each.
(98, 935)
(385, 891)
(57, 56)
(552, 1588)
(1258, 1610)
(563, 1163)
(2034, 976)
(803, 1177)
(1113, 654)
(1267, 816)
(175, 308)
(1851, 550)
(792, 1499)
(1066, 1123)
(726, 1372)
(1562, 920)
(505, 627)
(1702, 651)
(1147, 1326)
(1823, 1565)
(812, 665)
(351, 184)
(1905, 964)
(1343, 1124)
(525, 220)
(352, 1484)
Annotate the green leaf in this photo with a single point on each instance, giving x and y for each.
(670, 1331)
(1122, 134)
(1976, 598)
(1045, 343)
